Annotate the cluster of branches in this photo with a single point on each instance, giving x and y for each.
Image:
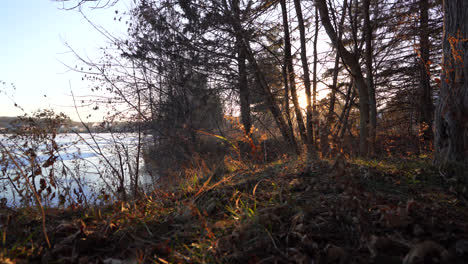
(186, 61)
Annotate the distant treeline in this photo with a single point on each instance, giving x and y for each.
(5, 121)
(10, 124)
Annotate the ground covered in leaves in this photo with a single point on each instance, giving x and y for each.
(360, 211)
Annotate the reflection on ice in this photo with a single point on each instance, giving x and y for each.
(85, 167)
(77, 155)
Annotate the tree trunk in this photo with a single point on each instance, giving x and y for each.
(270, 98)
(426, 107)
(305, 68)
(331, 109)
(314, 80)
(343, 120)
(355, 68)
(242, 81)
(451, 137)
(370, 77)
(286, 104)
(244, 93)
(290, 71)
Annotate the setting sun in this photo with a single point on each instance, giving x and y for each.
(322, 92)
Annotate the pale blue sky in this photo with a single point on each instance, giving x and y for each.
(32, 51)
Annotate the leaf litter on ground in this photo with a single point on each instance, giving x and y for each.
(290, 212)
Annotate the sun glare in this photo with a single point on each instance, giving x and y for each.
(321, 93)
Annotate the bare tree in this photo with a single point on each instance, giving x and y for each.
(354, 67)
(305, 68)
(426, 107)
(290, 70)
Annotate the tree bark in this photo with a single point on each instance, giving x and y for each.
(305, 68)
(286, 104)
(331, 109)
(343, 120)
(451, 137)
(270, 98)
(370, 77)
(426, 107)
(355, 69)
(314, 80)
(291, 75)
(244, 93)
(242, 81)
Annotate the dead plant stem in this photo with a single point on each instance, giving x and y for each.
(36, 195)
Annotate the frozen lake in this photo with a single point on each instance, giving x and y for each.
(80, 168)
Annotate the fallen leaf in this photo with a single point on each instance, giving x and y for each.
(386, 246)
(336, 254)
(426, 252)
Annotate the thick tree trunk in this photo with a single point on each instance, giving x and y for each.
(355, 68)
(370, 77)
(305, 68)
(426, 107)
(291, 75)
(451, 137)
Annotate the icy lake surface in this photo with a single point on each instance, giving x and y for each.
(86, 164)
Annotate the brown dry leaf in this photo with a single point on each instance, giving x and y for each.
(226, 243)
(385, 246)
(298, 256)
(294, 182)
(426, 251)
(112, 225)
(336, 254)
(6, 261)
(394, 218)
(221, 224)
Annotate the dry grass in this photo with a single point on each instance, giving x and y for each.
(283, 212)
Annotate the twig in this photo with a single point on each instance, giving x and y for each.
(275, 246)
(36, 195)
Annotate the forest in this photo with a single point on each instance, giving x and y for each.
(261, 131)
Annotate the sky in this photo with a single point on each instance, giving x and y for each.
(34, 58)
(33, 54)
